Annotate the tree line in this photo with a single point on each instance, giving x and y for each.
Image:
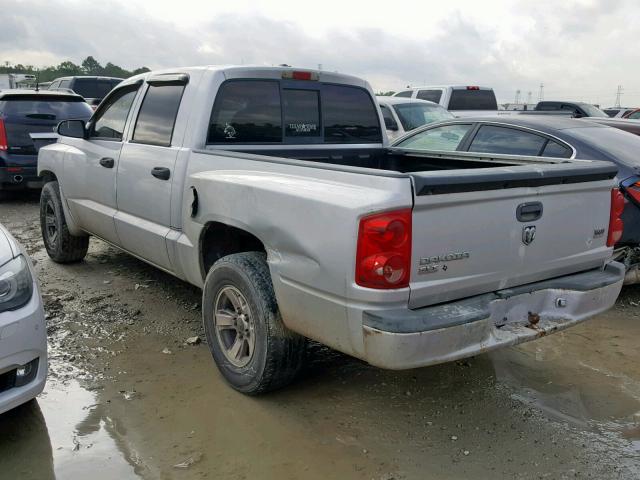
(89, 66)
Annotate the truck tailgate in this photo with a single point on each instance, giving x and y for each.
(481, 230)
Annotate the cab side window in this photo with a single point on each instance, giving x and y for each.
(157, 115)
(108, 123)
(406, 94)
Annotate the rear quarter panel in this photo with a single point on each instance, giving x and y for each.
(307, 218)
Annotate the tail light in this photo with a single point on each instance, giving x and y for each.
(615, 222)
(383, 257)
(300, 75)
(4, 145)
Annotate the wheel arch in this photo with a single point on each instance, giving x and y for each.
(219, 239)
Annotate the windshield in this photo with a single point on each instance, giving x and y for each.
(414, 115)
(622, 147)
(593, 111)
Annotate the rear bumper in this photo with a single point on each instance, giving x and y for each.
(403, 338)
(25, 177)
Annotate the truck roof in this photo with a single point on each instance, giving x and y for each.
(256, 71)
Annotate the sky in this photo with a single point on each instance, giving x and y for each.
(579, 49)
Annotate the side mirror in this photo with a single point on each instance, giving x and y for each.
(389, 124)
(72, 128)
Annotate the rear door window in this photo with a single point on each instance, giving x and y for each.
(446, 138)
(430, 95)
(157, 115)
(471, 99)
(508, 141)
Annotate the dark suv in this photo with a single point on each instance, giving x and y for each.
(93, 89)
(26, 112)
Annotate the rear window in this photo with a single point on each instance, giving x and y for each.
(301, 113)
(23, 116)
(93, 88)
(45, 107)
(264, 111)
(430, 95)
(349, 116)
(247, 111)
(472, 100)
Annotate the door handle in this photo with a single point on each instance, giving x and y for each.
(107, 162)
(161, 172)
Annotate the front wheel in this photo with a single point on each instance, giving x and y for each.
(61, 246)
(252, 348)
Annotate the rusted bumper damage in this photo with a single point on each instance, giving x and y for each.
(400, 339)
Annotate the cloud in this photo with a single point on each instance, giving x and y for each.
(571, 46)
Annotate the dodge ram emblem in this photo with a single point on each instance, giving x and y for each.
(528, 234)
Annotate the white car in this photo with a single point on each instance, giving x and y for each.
(404, 114)
(23, 335)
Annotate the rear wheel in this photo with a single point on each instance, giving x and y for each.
(61, 246)
(252, 348)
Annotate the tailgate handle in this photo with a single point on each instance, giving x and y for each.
(529, 212)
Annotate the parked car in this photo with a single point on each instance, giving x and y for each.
(574, 109)
(549, 137)
(272, 190)
(23, 335)
(22, 114)
(633, 114)
(402, 115)
(92, 89)
(461, 100)
(617, 112)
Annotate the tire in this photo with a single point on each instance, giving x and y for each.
(277, 354)
(61, 246)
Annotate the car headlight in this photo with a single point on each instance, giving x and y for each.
(16, 285)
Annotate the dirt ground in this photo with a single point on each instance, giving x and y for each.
(128, 398)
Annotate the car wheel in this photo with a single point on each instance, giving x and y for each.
(252, 348)
(61, 246)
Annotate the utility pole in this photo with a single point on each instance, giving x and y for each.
(618, 95)
(319, 66)
(541, 94)
(517, 100)
(529, 96)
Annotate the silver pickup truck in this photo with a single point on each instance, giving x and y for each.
(272, 189)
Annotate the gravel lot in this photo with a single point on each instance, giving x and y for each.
(127, 397)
